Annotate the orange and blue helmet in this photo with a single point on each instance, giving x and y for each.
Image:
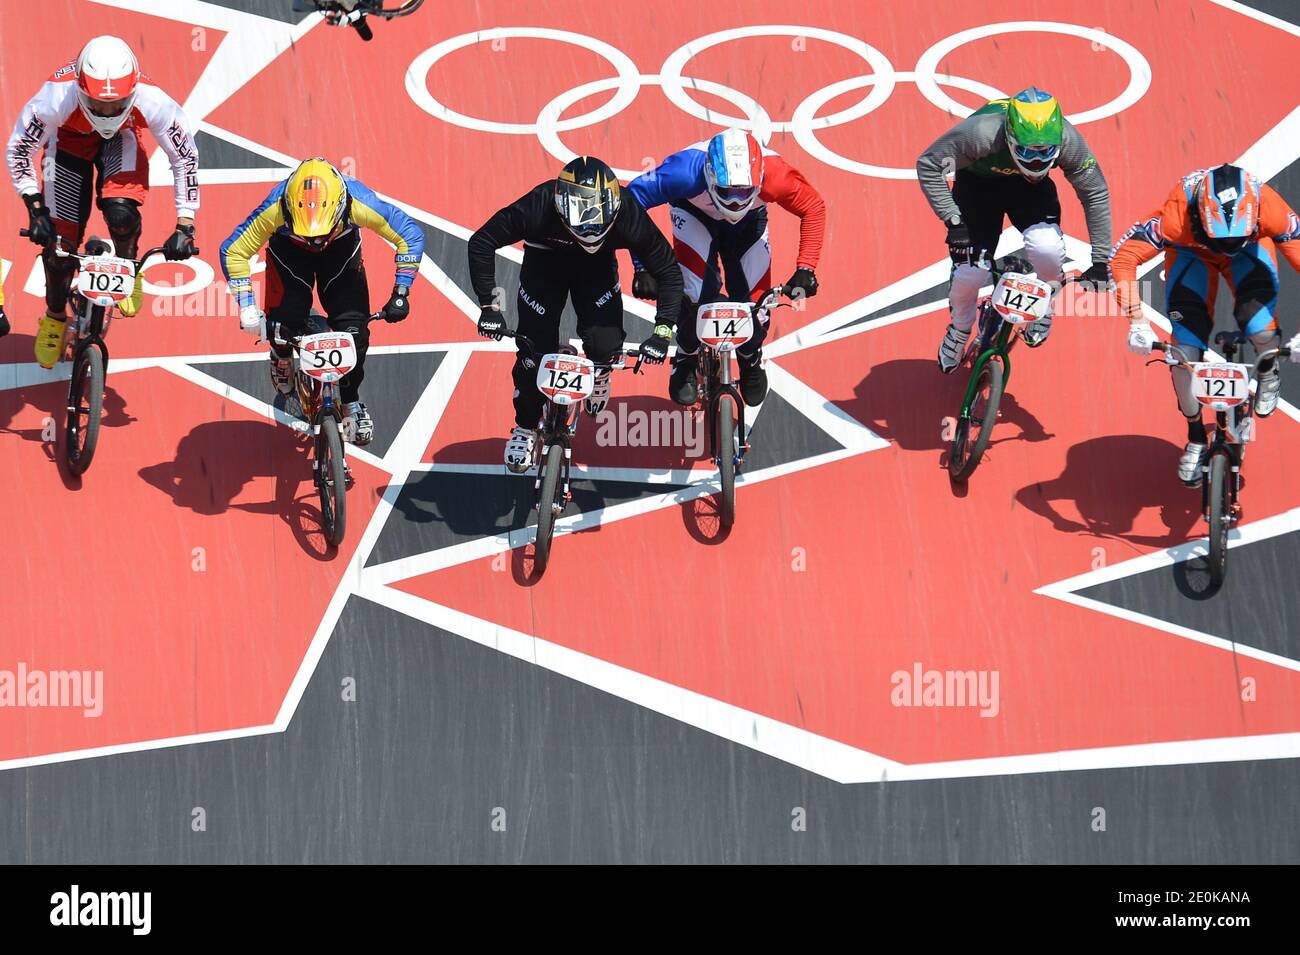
(1225, 208)
(733, 172)
(314, 202)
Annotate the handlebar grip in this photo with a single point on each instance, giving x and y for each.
(25, 233)
(363, 29)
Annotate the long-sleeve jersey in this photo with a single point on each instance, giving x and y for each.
(365, 208)
(979, 144)
(680, 178)
(51, 120)
(532, 219)
(1170, 227)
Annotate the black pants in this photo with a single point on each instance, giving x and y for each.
(985, 200)
(546, 280)
(338, 276)
(728, 242)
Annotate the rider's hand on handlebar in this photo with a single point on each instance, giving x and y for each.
(1140, 338)
(253, 320)
(398, 305)
(40, 227)
(654, 349)
(959, 245)
(1097, 278)
(644, 285)
(180, 244)
(491, 323)
(1294, 346)
(803, 284)
(4, 323)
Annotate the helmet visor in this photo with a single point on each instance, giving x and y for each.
(585, 213)
(108, 108)
(1036, 158)
(735, 197)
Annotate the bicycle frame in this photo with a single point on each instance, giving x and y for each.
(715, 371)
(994, 341)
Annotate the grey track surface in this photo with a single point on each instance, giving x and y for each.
(444, 732)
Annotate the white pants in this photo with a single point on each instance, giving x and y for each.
(1045, 250)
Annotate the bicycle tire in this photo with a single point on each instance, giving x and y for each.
(1218, 519)
(331, 481)
(726, 425)
(965, 455)
(546, 507)
(85, 398)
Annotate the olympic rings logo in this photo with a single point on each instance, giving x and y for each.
(803, 124)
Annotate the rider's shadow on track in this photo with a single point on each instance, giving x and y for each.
(51, 398)
(1111, 480)
(909, 402)
(217, 459)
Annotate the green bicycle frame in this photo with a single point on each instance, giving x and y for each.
(1001, 347)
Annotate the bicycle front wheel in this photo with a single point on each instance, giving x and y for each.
(331, 481)
(85, 408)
(1219, 518)
(546, 507)
(727, 448)
(974, 432)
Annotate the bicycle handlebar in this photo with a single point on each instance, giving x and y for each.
(622, 353)
(56, 246)
(1176, 356)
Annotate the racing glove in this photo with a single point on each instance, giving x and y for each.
(803, 282)
(1141, 338)
(644, 285)
(253, 320)
(39, 224)
(4, 323)
(180, 244)
(654, 349)
(959, 244)
(1097, 278)
(491, 323)
(398, 305)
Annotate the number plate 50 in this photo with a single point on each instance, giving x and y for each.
(327, 356)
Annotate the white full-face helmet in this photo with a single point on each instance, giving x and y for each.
(107, 80)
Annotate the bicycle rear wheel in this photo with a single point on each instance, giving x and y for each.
(1219, 518)
(331, 481)
(974, 432)
(85, 408)
(727, 448)
(546, 508)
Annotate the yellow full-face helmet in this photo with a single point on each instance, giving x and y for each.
(315, 198)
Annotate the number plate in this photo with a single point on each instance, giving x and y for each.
(327, 356)
(725, 326)
(1220, 385)
(565, 379)
(105, 279)
(1021, 298)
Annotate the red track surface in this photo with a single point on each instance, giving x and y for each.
(899, 568)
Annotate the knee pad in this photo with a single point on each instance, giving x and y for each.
(358, 325)
(1045, 249)
(964, 291)
(122, 216)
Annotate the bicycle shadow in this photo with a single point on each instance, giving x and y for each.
(216, 460)
(50, 399)
(1111, 480)
(910, 402)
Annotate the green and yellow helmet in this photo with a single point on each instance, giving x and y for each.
(1034, 129)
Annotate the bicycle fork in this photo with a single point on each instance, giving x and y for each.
(718, 383)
